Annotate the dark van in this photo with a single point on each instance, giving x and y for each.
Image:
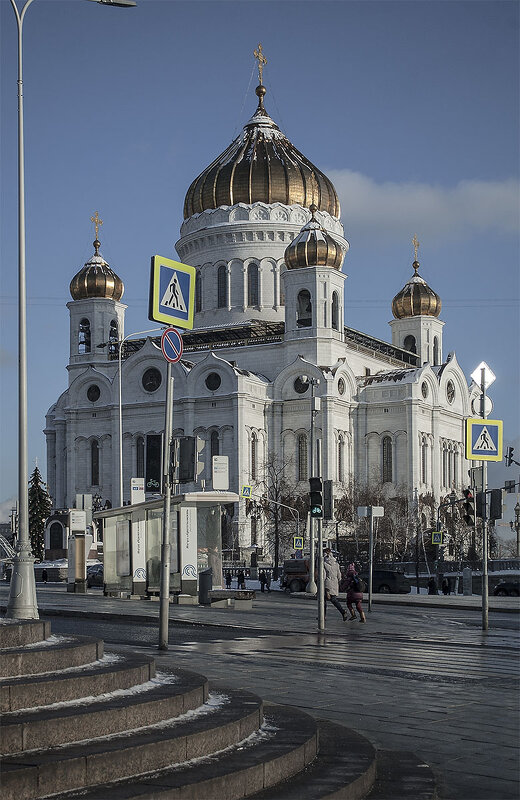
(386, 581)
(295, 575)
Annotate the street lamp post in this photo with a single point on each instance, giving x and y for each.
(311, 587)
(22, 602)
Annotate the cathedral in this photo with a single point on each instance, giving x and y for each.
(270, 349)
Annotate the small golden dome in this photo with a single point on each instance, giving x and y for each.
(314, 247)
(96, 279)
(261, 165)
(416, 298)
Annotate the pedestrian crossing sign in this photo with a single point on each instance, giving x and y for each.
(245, 491)
(484, 439)
(298, 542)
(437, 537)
(172, 292)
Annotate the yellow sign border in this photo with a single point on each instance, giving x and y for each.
(300, 538)
(496, 423)
(154, 299)
(249, 493)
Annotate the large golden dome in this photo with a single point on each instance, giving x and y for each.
(261, 165)
(416, 298)
(96, 279)
(314, 247)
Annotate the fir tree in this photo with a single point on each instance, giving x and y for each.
(40, 505)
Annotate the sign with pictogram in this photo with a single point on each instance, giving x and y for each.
(245, 491)
(298, 542)
(172, 292)
(437, 537)
(171, 345)
(484, 439)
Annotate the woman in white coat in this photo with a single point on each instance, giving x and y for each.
(332, 580)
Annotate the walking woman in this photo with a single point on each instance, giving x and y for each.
(354, 594)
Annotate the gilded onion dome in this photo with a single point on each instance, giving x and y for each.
(314, 247)
(416, 298)
(96, 279)
(261, 165)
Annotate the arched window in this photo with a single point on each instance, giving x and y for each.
(424, 462)
(254, 449)
(252, 285)
(341, 459)
(139, 470)
(113, 337)
(94, 463)
(222, 287)
(335, 311)
(214, 444)
(303, 473)
(56, 536)
(409, 344)
(84, 336)
(435, 351)
(387, 459)
(304, 309)
(198, 291)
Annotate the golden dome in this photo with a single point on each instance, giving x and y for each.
(314, 247)
(416, 298)
(261, 165)
(96, 279)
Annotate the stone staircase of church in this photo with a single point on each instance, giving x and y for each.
(75, 722)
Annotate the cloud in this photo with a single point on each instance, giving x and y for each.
(393, 210)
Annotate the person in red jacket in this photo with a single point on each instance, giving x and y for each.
(354, 594)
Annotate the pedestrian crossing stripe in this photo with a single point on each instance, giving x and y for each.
(172, 292)
(484, 439)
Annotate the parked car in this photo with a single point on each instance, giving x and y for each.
(386, 581)
(507, 589)
(95, 575)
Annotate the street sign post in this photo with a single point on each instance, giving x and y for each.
(171, 345)
(484, 439)
(172, 292)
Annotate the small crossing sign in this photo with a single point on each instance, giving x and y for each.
(172, 292)
(298, 542)
(437, 537)
(171, 345)
(484, 439)
(245, 491)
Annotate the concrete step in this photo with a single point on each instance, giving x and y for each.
(402, 776)
(55, 654)
(222, 722)
(16, 632)
(49, 727)
(41, 690)
(344, 769)
(284, 745)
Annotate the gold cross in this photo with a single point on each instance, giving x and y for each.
(415, 242)
(96, 219)
(262, 61)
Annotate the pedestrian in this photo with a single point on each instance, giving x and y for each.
(332, 579)
(268, 580)
(241, 579)
(228, 580)
(263, 580)
(44, 575)
(432, 586)
(354, 594)
(445, 586)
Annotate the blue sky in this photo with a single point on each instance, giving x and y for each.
(411, 108)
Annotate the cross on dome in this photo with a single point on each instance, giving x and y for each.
(96, 219)
(262, 61)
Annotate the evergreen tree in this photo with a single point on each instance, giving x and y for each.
(40, 505)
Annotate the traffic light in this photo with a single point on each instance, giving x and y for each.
(316, 497)
(480, 505)
(509, 456)
(328, 500)
(469, 507)
(495, 504)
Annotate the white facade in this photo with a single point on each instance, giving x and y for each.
(387, 414)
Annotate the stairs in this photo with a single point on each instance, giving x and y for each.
(77, 723)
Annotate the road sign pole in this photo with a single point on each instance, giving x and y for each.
(164, 607)
(321, 580)
(485, 588)
(370, 557)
